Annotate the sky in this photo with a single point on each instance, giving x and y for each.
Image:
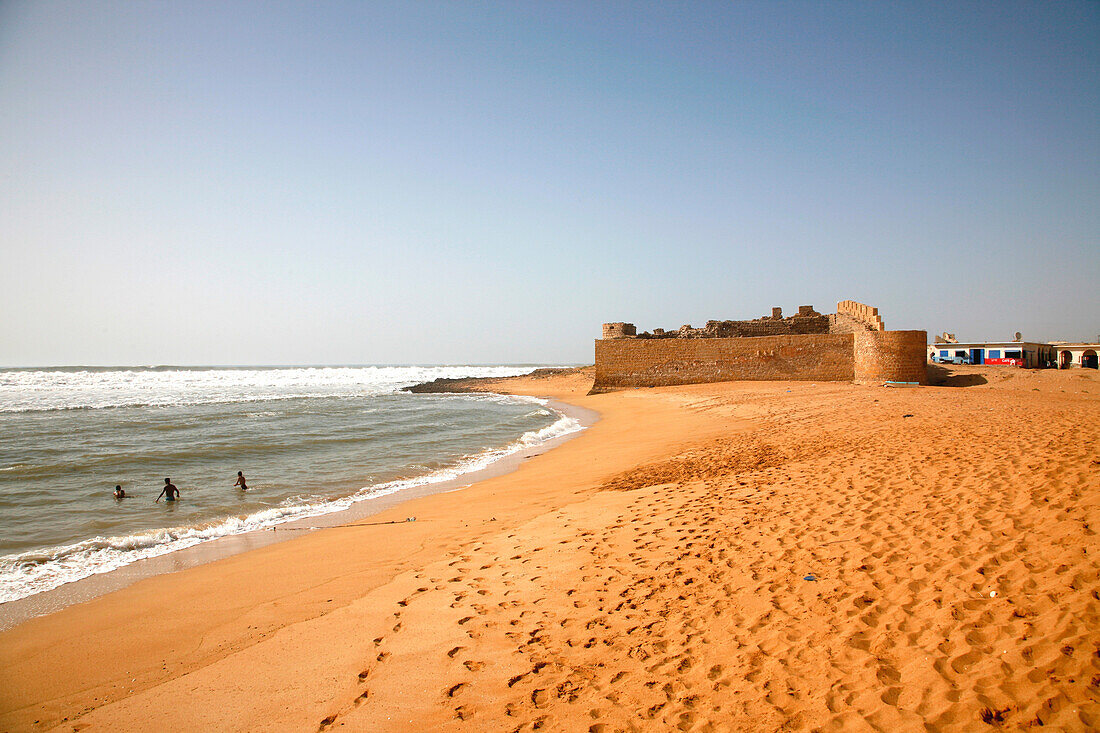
(440, 182)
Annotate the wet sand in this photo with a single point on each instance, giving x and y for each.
(741, 556)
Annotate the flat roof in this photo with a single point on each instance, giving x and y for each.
(982, 344)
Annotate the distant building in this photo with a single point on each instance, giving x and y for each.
(1028, 354)
(1072, 355)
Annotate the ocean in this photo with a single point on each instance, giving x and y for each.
(309, 441)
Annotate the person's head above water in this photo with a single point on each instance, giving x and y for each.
(118, 488)
(167, 480)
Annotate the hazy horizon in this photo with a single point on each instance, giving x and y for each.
(388, 183)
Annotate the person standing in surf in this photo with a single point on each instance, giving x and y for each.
(169, 492)
(240, 481)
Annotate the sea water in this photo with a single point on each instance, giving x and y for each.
(309, 441)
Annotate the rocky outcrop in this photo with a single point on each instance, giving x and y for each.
(477, 384)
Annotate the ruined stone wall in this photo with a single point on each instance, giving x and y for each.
(808, 324)
(806, 321)
(840, 323)
(897, 356)
(625, 363)
(619, 330)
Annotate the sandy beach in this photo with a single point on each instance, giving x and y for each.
(739, 556)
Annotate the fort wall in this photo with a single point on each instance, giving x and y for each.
(851, 344)
(625, 363)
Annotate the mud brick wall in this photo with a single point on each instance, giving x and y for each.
(898, 356)
(662, 362)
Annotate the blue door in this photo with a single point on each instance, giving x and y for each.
(977, 356)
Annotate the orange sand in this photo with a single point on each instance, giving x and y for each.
(649, 575)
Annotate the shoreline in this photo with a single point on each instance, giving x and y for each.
(745, 556)
(15, 612)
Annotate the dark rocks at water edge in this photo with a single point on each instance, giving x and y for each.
(477, 384)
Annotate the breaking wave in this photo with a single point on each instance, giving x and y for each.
(25, 390)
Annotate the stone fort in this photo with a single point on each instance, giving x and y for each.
(849, 345)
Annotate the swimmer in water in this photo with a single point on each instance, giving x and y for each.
(120, 493)
(169, 492)
(240, 481)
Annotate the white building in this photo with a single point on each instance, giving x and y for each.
(1029, 354)
(1076, 354)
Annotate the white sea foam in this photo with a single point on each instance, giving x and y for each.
(66, 389)
(28, 573)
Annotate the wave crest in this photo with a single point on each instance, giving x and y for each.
(26, 390)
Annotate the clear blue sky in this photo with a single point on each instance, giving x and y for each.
(257, 183)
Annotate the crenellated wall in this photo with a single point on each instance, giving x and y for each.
(868, 315)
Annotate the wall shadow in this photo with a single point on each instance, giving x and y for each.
(939, 376)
